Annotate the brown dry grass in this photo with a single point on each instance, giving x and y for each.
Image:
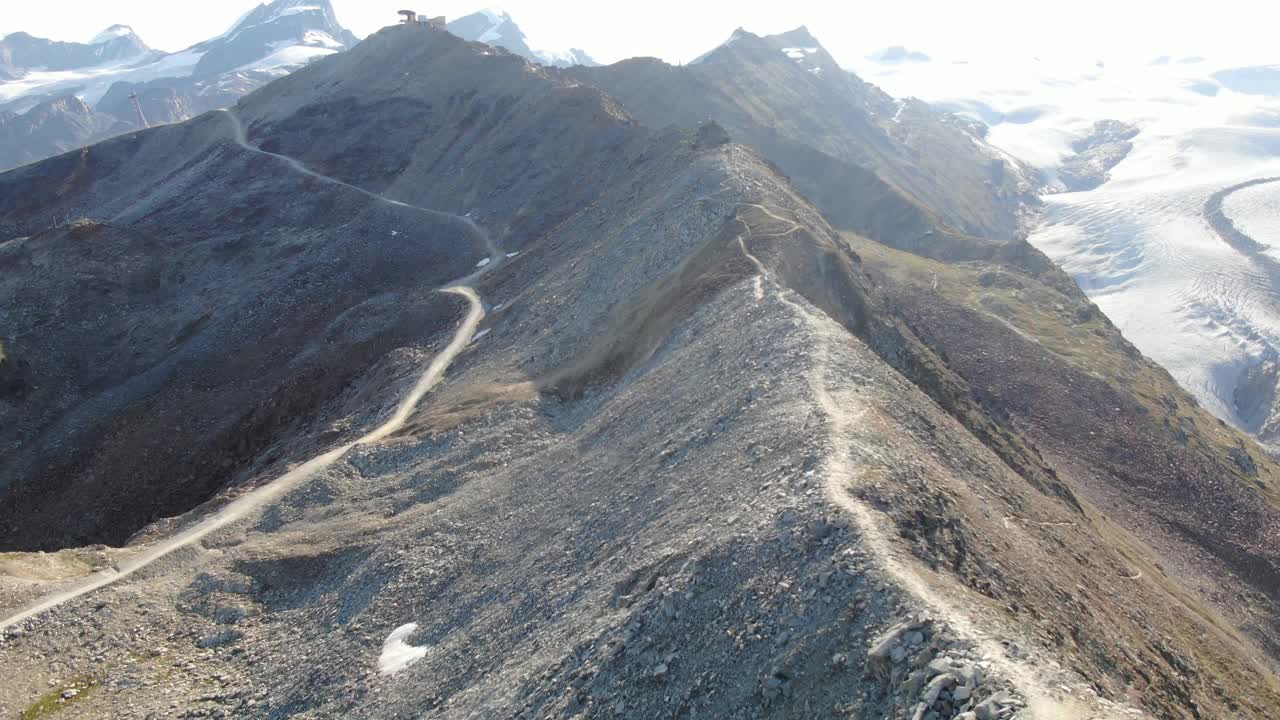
(470, 402)
(950, 303)
(1078, 334)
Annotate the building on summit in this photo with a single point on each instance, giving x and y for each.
(411, 18)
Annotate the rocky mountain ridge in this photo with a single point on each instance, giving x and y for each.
(703, 453)
(870, 162)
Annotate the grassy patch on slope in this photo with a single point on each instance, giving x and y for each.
(52, 701)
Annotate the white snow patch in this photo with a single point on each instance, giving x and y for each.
(484, 262)
(557, 57)
(286, 59)
(815, 70)
(512, 254)
(481, 334)
(179, 64)
(239, 25)
(897, 116)
(295, 10)
(396, 653)
(799, 53)
(321, 39)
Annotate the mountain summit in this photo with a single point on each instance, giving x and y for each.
(284, 33)
(114, 32)
(497, 28)
(893, 170)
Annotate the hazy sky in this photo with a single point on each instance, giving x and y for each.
(1113, 30)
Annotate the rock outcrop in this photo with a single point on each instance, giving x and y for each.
(1096, 154)
(55, 126)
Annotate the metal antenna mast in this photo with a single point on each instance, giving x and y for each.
(137, 106)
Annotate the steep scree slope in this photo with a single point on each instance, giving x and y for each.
(205, 308)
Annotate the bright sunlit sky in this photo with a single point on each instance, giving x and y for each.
(1111, 30)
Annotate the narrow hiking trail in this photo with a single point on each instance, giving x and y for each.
(255, 500)
(845, 411)
(241, 138)
(760, 270)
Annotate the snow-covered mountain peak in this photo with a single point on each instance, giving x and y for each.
(500, 25)
(496, 27)
(313, 14)
(114, 32)
(267, 42)
(281, 34)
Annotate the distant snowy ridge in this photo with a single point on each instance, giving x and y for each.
(267, 42)
(273, 38)
(497, 28)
